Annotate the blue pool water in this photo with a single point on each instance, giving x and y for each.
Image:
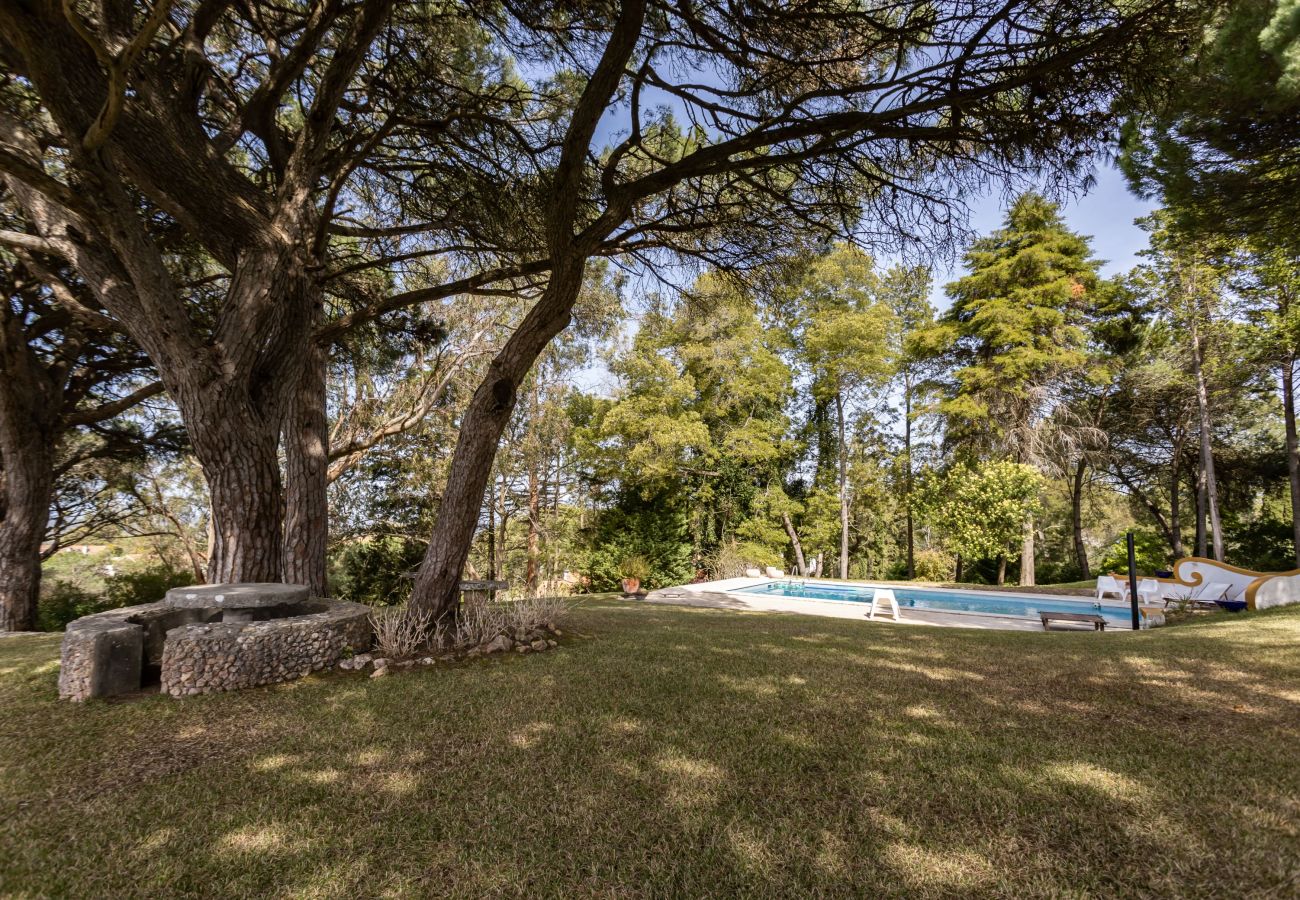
(984, 602)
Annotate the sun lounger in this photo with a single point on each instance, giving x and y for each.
(882, 598)
(1211, 594)
(1108, 586)
(1150, 591)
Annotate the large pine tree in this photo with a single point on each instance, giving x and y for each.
(1013, 336)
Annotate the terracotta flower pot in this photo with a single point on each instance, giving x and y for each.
(631, 585)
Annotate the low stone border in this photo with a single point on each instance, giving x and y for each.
(193, 652)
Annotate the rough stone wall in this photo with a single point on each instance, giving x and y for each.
(201, 659)
(102, 653)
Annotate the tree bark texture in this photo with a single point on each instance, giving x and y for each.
(306, 467)
(795, 543)
(1207, 452)
(31, 404)
(1292, 450)
(1027, 554)
(843, 485)
(27, 469)
(1076, 518)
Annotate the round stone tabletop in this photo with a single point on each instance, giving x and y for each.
(236, 596)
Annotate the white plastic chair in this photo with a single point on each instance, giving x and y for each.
(774, 572)
(1150, 591)
(1107, 585)
(879, 598)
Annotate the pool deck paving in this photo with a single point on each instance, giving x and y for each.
(729, 594)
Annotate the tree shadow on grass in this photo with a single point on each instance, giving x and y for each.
(688, 752)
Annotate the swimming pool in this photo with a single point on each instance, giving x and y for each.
(944, 600)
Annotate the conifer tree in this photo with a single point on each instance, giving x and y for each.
(1012, 337)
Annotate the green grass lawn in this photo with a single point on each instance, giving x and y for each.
(669, 751)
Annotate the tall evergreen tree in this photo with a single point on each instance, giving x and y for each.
(1012, 336)
(906, 290)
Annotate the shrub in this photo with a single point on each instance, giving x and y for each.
(146, 586)
(634, 566)
(482, 620)
(731, 560)
(371, 570)
(400, 631)
(933, 564)
(651, 528)
(63, 601)
(1150, 551)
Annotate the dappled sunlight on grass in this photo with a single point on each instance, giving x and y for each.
(258, 839)
(1105, 782)
(276, 761)
(923, 868)
(531, 734)
(684, 752)
(751, 850)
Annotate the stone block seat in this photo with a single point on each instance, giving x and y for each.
(207, 638)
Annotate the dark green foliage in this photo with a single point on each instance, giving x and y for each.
(1261, 542)
(371, 570)
(1220, 149)
(655, 529)
(1150, 550)
(63, 601)
(146, 586)
(1014, 330)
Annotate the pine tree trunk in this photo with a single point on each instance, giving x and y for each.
(534, 541)
(28, 481)
(1202, 544)
(1076, 519)
(794, 542)
(306, 467)
(907, 454)
(1027, 555)
(30, 416)
(492, 538)
(1207, 454)
(436, 583)
(237, 445)
(1175, 503)
(534, 458)
(1002, 569)
(1292, 450)
(956, 576)
(844, 486)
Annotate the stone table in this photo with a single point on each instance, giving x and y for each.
(238, 602)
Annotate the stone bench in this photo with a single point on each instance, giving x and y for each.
(210, 638)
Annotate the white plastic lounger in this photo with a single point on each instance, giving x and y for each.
(1109, 586)
(1212, 593)
(1150, 591)
(879, 599)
